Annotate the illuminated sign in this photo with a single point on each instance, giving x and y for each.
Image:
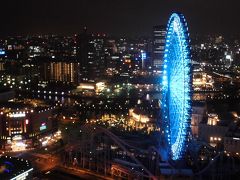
(2, 52)
(17, 115)
(43, 127)
(144, 56)
(17, 138)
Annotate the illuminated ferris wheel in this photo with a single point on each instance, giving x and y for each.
(176, 81)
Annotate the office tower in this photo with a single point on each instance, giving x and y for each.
(159, 33)
(90, 54)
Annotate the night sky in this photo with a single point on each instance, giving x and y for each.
(116, 17)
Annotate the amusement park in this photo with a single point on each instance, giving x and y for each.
(170, 150)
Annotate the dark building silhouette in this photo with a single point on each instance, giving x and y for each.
(90, 54)
(159, 33)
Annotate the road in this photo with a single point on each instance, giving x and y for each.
(61, 173)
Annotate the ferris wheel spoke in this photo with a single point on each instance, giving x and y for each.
(176, 95)
(177, 71)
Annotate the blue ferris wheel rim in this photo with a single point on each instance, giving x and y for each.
(176, 91)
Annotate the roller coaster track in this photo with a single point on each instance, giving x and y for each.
(123, 145)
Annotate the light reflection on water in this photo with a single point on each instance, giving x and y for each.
(63, 100)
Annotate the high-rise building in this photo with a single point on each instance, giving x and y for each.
(99, 57)
(84, 53)
(60, 71)
(159, 33)
(90, 54)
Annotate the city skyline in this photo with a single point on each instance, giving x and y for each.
(119, 90)
(116, 18)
